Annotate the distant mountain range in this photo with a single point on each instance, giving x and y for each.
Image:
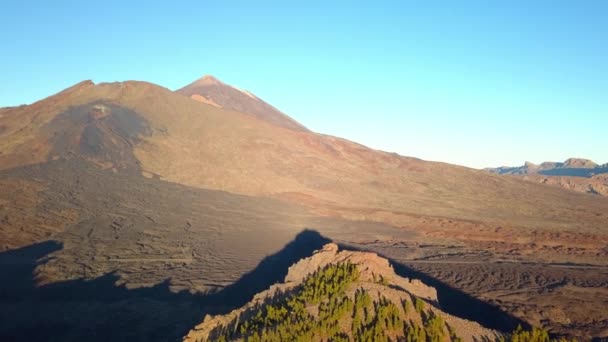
(575, 167)
(576, 174)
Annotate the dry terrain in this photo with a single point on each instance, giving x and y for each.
(142, 209)
(371, 275)
(575, 174)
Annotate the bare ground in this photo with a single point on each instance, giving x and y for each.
(121, 233)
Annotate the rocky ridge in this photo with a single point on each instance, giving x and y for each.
(376, 278)
(577, 174)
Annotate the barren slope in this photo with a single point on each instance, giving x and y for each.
(191, 143)
(210, 90)
(123, 257)
(72, 171)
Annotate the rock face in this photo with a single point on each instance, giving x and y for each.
(577, 174)
(376, 278)
(579, 163)
(370, 266)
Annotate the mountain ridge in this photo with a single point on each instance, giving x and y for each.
(577, 167)
(373, 277)
(577, 174)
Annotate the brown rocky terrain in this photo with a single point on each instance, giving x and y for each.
(596, 184)
(536, 292)
(210, 90)
(582, 175)
(135, 186)
(370, 267)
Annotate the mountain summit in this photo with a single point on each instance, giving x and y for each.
(207, 80)
(212, 91)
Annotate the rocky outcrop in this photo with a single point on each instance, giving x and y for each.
(579, 163)
(371, 267)
(376, 277)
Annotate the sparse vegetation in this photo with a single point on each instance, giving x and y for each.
(534, 335)
(418, 305)
(333, 305)
(290, 319)
(435, 327)
(320, 309)
(384, 323)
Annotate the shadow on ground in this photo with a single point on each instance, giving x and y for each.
(99, 310)
(463, 305)
(456, 302)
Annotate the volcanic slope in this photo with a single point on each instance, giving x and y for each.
(80, 167)
(149, 129)
(210, 90)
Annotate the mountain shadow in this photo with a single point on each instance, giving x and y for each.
(463, 305)
(100, 310)
(457, 302)
(270, 270)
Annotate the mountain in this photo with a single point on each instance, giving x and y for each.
(149, 130)
(575, 167)
(212, 91)
(164, 202)
(582, 175)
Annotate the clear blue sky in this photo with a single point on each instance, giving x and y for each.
(476, 83)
